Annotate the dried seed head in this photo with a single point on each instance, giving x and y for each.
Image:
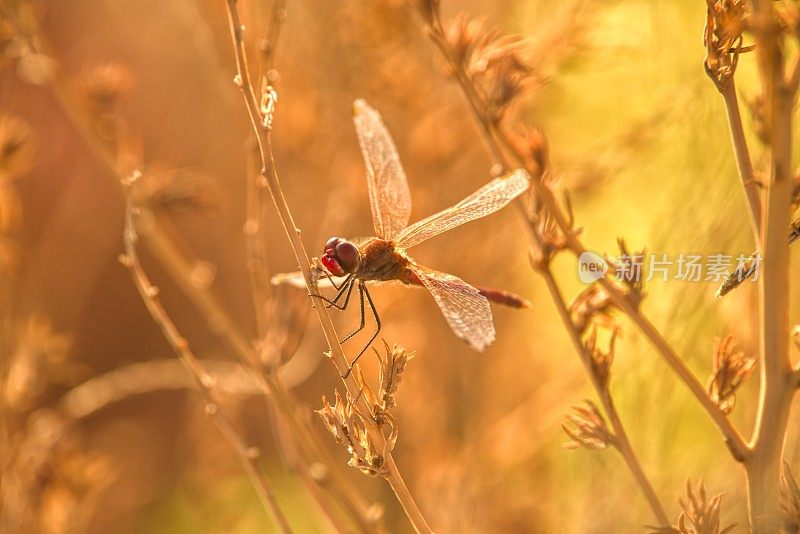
(726, 20)
(592, 305)
(178, 189)
(587, 428)
(347, 427)
(632, 280)
(392, 367)
(464, 34)
(40, 357)
(700, 514)
(497, 65)
(103, 86)
(601, 359)
(731, 368)
(549, 237)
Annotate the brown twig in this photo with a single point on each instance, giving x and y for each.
(164, 246)
(501, 142)
(621, 442)
(248, 456)
(269, 174)
(743, 162)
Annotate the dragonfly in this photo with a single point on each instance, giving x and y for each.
(384, 256)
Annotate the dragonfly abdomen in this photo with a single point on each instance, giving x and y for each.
(497, 296)
(501, 296)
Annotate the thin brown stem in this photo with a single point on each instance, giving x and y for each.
(742, 155)
(500, 140)
(622, 442)
(243, 80)
(165, 247)
(248, 456)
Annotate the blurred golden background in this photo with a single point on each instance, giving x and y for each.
(636, 131)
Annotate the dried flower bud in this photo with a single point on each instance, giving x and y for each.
(731, 368)
(393, 365)
(700, 514)
(103, 86)
(40, 356)
(464, 34)
(601, 359)
(593, 304)
(587, 428)
(549, 236)
(496, 65)
(347, 428)
(629, 273)
(726, 20)
(178, 189)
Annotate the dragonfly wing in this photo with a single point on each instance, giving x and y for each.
(486, 200)
(466, 310)
(296, 279)
(389, 197)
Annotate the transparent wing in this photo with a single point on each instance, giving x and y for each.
(486, 200)
(296, 279)
(388, 188)
(466, 310)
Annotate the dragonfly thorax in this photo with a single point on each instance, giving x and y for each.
(341, 257)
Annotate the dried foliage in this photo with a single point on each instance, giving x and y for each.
(178, 190)
(592, 305)
(496, 64)
(731, 369)
(726, 21)
(587, 428)
(700, 514)
(348, 424)
(347, 428)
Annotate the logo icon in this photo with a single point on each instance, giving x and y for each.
(591, 267)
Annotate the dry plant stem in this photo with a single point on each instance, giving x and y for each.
(621, 441)
(293, 233)
(203, 381)
(500, 140)
(743, 161)
(776, 388)
(180, 269)
(256, 253)
(254, 225)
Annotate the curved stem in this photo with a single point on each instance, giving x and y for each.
(336, 353)
(621, 442)
(248, 456)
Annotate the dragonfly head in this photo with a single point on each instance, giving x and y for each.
(341, 257)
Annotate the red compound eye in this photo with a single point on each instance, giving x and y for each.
(348, 256)
(331, 243)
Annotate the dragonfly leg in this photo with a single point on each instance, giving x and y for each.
(362, 319)
(365, 292)
(345, 290)
(329, 278)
